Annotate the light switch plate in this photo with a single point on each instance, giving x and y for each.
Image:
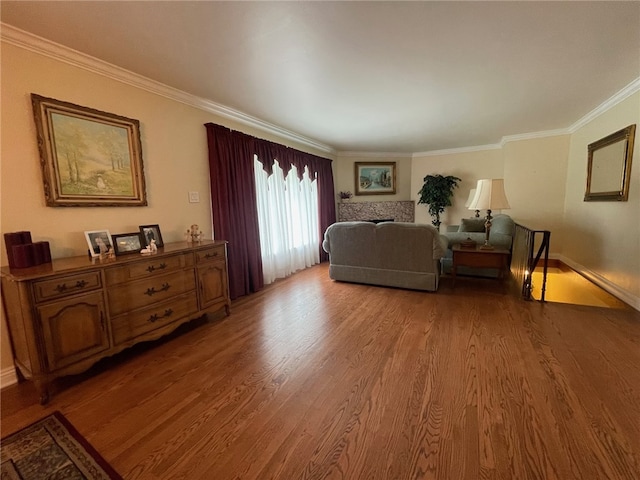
(194, 197)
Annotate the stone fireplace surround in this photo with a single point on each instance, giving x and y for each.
(402, 211)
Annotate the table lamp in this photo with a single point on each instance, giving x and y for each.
(490, 196)
(472, 194)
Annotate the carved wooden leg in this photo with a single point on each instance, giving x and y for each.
(227, 309)
(42, 386)
(19, 376)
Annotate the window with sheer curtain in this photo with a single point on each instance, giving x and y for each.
(287, 220)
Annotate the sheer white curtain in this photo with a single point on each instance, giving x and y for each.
(288, 221)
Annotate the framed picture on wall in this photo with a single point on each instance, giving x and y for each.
(89, 158)
(609, 166)
(375, 178)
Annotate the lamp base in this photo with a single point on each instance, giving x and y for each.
(487, 232)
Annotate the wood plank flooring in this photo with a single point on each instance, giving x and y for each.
(315, 379)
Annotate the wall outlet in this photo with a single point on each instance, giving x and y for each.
(194, 197)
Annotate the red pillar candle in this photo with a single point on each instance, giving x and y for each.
(15, 238)
(44, 251)
(26, 237)
(36, 254)
(22, 255)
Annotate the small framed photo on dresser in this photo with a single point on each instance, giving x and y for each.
(125, 243)
(99, 242)
(151, 232)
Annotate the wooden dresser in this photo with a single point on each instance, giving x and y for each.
(65, 316)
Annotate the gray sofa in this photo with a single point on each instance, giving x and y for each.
(501, 235)
(394, 254)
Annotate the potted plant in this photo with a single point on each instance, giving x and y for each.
(437, 192)
(345, 195)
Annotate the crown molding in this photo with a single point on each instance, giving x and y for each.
(47, 48)
(623, 94)
(531, 135)
(453, 151)
(374, 154)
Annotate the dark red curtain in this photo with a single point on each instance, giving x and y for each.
(233, 204)
(233, 194)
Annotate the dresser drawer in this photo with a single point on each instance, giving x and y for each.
(147, 268)
(210, 254)
(132, 325)
(63, 286)
(142, 293)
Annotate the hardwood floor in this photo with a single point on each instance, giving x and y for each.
(315, 379)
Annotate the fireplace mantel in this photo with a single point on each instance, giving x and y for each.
(403, 211)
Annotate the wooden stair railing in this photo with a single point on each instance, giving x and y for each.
(523, 260)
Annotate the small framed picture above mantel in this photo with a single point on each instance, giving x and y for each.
(375, 178)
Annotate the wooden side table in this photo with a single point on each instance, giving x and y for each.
(474, 257)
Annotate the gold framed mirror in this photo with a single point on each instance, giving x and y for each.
(609, 166)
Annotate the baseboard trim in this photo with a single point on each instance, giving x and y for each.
(603, 283)
(8, 377)
(551, 263)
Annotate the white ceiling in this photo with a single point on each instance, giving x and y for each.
(367, 76)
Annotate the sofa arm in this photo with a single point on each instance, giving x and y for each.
(325, 245)
(440, 243)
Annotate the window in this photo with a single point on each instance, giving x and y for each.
(288, 221)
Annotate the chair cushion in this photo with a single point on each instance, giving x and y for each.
(471, 225)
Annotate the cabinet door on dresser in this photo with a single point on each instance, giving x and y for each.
(212, 277)
(74, 329)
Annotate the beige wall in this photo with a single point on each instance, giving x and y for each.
(468, 166)
(174, 147)
(344, 172)
(535, 174)
(603, 238)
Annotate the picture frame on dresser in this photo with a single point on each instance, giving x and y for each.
(89, 158)
(99, 242)
(127, 243)
(151, 232)
(375, 178)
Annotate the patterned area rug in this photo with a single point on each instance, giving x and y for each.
(52, 449)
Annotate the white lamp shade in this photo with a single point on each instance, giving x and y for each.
(472, 194)
(489, 195)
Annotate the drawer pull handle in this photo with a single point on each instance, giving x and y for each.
(152, 268)
(211, 255)
(63, 288)
(155, 317)
(152, 291)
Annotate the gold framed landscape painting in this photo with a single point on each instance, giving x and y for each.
(89, 158)
(375, 178)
